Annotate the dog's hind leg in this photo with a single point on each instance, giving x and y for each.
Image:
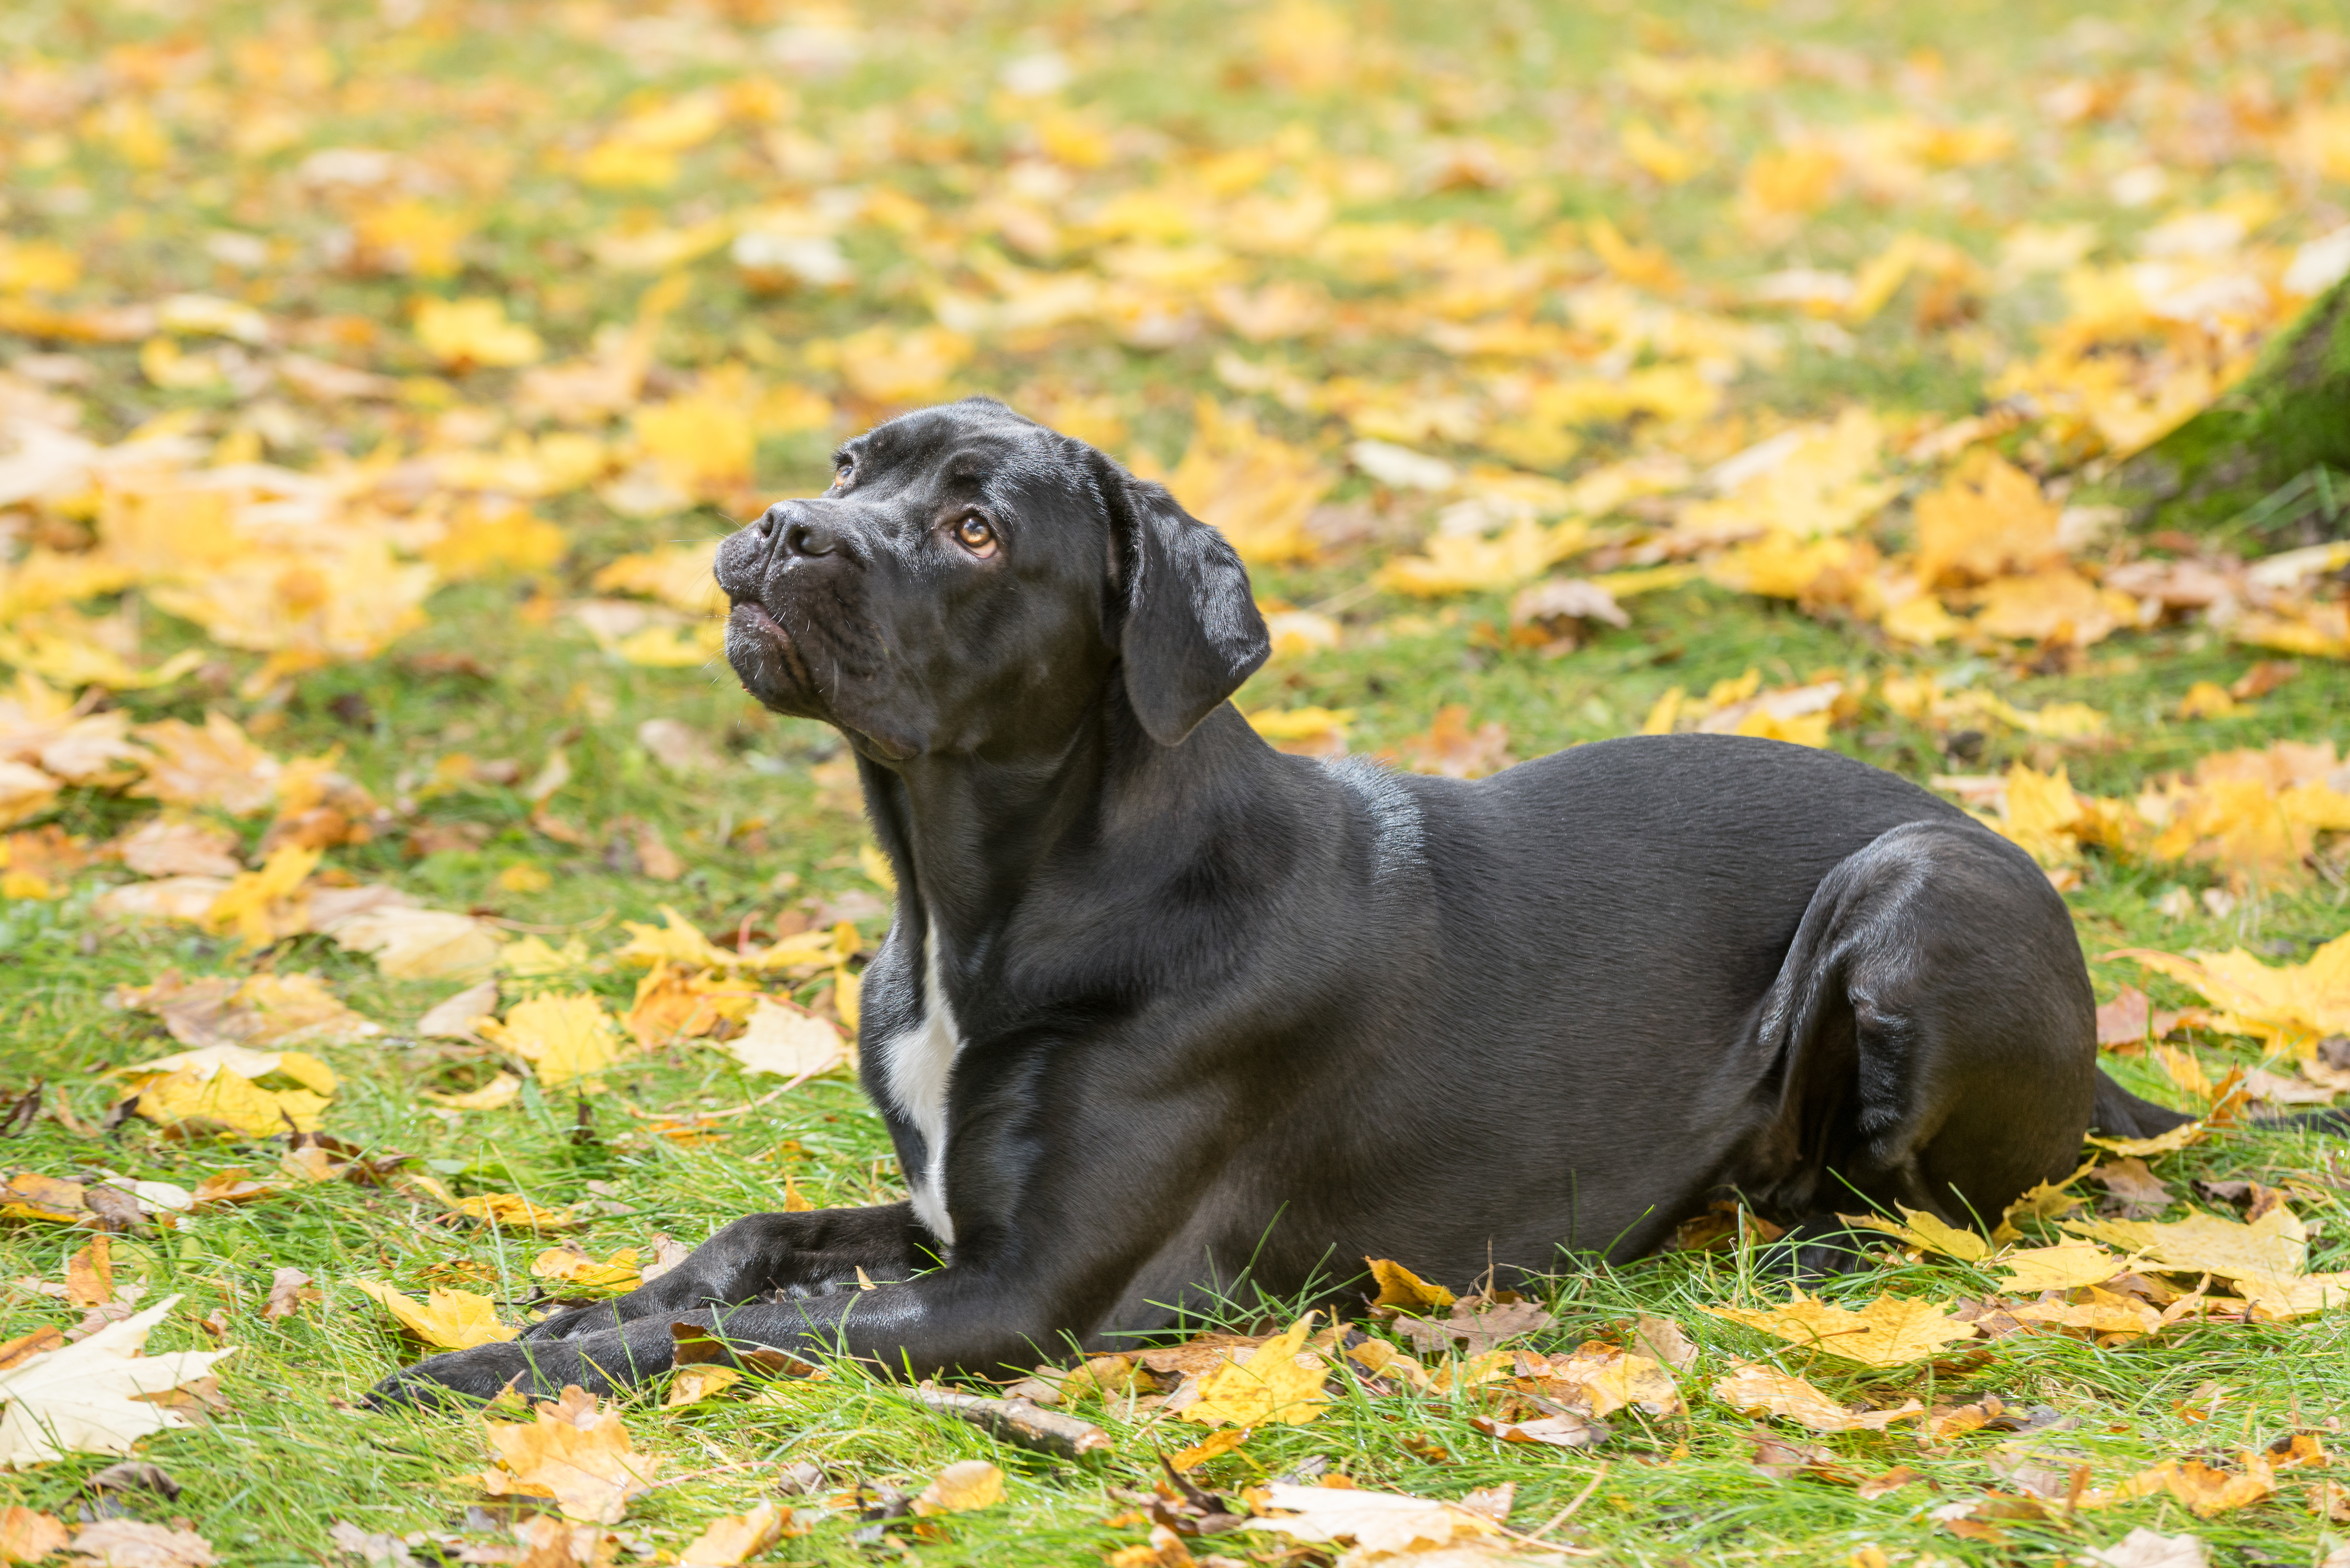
(1929, 1041)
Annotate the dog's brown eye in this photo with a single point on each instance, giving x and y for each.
(974, 534)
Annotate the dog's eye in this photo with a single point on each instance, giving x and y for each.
(844, 474)
(973, 534)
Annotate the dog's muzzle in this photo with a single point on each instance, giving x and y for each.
(752, 568)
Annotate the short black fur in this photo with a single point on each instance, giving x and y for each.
(1223, 1011)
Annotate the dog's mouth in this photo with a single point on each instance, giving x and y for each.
(770, 662)
(773, 665)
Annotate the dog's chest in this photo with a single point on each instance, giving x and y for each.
(920, 1061)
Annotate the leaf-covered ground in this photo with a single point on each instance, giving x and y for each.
(378, 377)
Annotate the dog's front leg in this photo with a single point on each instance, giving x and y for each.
(793, 1254)
(799, 1253)
(951, 1318)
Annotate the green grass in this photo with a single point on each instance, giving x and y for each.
(477, 86)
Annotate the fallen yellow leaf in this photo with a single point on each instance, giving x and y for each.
(1399, 1287)
(576, 1452)
(453, 1320)
(571, 1267)
(960, 1488)
(1280, 1382)
(734, 1539)
(1753, 1389)
(562, 1037)
(1891, 1330)
(2066, 1266)
(692, 1384)
(1916, 1228)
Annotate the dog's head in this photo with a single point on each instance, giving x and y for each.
(975, 583)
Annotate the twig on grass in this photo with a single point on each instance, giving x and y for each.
(1018, 1421)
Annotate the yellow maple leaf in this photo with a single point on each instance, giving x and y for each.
(576, 1270)
(1823, 482)
(2055, 604)
(1399, 1287)
(703, 442)
(411, 237)
(692, 1385)
(1891, 1330)
(1280, 1382)
(1756, 1390)
(676, 940)
(474, 331)
(1253, 488)
(892, 366)
(453, 1320)
(513, 1211)
(2274, 1246)
(262, 906)
(576, 1452)
(2291, 1005)
(960, 1487)
(562, 1037)
(1999, 523)
(213, 766)
(1928, 1233)
(495, 1094)
(208, 1094)
(679, 575)
(485, 541)
(1473, 562)
(735, 1539)
(2066, 1266)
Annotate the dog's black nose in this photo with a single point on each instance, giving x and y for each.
(804, 537)
(799, 532)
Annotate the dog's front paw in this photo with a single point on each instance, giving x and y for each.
(458, 1380)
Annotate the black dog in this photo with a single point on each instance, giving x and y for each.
(1164, 1009)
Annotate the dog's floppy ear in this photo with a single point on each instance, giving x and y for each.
(1188, 631)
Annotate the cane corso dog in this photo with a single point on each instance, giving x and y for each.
(1165, 1011)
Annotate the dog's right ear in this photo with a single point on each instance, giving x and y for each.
(1188, 631)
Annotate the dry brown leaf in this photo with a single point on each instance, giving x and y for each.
(129, 1544)
(787, 1041)
(290, 1290)
(1663, 1339)
(28, 1536)
(1564, 1431)
(89, 1275)
(455, 1018)
(1376, 1521)
(162, 846)
(497, 1094)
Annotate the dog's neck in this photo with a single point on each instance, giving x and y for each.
(967, 835)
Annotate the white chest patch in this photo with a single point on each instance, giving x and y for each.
(920, 1059)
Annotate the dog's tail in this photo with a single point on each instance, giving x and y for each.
(2117, 1113)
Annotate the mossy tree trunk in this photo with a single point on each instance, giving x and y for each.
(2267, 467)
